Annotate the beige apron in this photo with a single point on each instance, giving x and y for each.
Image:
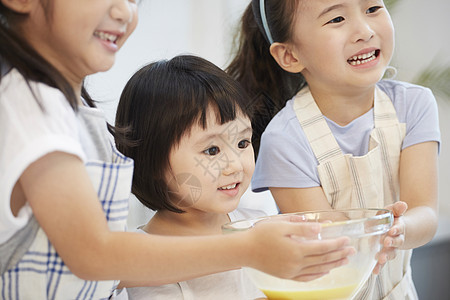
(361, 182)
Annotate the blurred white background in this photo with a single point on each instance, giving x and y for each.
(207, 28)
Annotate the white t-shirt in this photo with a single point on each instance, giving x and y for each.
(31, 126)
(228, 285)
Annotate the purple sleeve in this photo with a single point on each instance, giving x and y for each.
(416, 106)
(285, 158)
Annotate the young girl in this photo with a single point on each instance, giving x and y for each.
(193, 161)
(345, 139)
(190, 137)
(65, 188)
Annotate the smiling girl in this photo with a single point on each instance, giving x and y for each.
(190, 136)
(341, 136)
(64, 187)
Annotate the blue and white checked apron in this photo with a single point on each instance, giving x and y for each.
(365, 181)
(41, 274)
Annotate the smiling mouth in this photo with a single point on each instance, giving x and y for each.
(228, 187)
(363, 58)
(106, 36)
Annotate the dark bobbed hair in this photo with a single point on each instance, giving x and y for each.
(268, 85)
(159, 105)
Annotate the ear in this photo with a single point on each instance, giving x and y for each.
(19, 6)
(286, 57)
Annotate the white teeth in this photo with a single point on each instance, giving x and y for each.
(106, 36)
(228, 187)
(362, 58)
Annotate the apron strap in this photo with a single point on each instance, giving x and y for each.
(186, 291)
(384, 111)
(317, 131)
(13, 250)
(404, 289)
(321, 139)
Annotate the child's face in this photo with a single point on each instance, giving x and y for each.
(80, 37)
(211, 168)
(343, 43)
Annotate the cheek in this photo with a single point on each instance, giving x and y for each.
(170, 180)
(130, 28)
(248, 163)
(387, 30)
(321, 52)
(133, 23)
(388, 42)
(185, 190)
(391, 36)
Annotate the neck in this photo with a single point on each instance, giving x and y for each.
(343, 107)
(186, 224)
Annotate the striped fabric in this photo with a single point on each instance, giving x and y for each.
(361, 182)
(41, 273)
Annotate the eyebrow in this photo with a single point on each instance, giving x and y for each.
(336, 6)
(331, 8)
(247, 130)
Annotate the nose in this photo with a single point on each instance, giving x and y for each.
(123, 11)
(232, 163)
(363, 31)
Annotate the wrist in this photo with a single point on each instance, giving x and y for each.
(241, 249)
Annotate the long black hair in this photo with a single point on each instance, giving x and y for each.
(268, 85)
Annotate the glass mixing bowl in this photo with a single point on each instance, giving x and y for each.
(364, 227)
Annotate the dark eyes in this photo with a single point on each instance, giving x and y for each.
(243, 144)
(339, 19)
(214, 150)
(336, 20)
(373, 9)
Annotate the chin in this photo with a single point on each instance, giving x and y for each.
(103, 64)
(233, 206)
(105, 67)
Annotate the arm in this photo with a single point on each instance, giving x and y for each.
(65, 204)
(419, 189)
(287, 199)
(416, 216)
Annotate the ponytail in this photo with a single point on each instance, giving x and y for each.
(267, 84)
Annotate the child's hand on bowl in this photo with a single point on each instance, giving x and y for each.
(394, 238)
(294, 258)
